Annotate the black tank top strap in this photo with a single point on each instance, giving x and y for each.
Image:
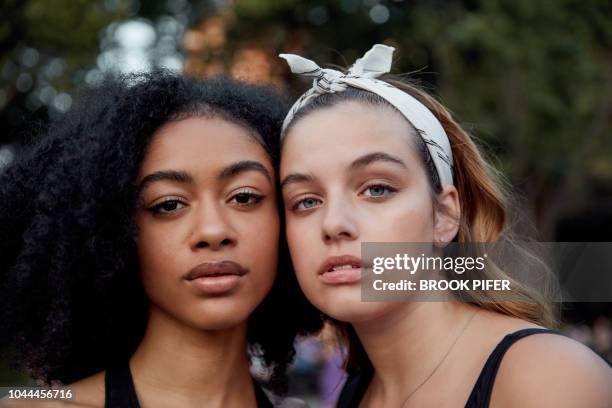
(481, 393)
(119, 388)
(355, 388)
(121, 393)
(357, 384)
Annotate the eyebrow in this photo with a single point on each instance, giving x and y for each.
(185, 178)
(370, 158)
(358, 163)
(295, 178)
(242, 166)
(164, 175)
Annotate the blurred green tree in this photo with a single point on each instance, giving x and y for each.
(46, 47)
(531, 80)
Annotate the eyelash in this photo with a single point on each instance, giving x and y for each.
(257, 198)
(390, 189)
(295, 206)
(158, 208)
(254, 199)
(387, 187)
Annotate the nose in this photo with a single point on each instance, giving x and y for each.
(211, 229)
(338, 223)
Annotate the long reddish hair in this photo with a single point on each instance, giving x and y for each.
(484, 200)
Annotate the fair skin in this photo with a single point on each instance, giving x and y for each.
(207, 195)
(350, 173)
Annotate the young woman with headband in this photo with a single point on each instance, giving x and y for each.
(378, 160)
(140, 245)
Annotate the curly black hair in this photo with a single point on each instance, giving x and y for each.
(72, 300)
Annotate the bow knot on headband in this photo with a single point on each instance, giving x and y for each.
(373, 64)
(362, 75)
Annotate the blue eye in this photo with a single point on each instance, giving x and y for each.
(306, 204)
(378, 190)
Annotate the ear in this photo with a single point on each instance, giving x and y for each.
(446, 216)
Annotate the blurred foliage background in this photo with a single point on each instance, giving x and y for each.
(532, 80)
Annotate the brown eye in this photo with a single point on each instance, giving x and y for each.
(167, 207)
(246, 198)
(243, 198)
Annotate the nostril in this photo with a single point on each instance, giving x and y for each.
(214, 244)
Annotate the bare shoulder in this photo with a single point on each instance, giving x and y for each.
(89, 392)
(550, 370)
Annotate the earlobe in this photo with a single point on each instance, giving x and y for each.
(447, 216)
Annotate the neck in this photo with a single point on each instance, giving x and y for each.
(406, 344)
(174, 360)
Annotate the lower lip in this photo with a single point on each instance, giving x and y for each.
(341, 276)
(215, 285)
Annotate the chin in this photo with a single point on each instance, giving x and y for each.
(344, 304)
(218, 324)
(217, 314)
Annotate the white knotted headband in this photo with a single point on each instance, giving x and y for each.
(362, 75)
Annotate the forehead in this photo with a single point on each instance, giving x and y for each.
(201, 141)
(345, 131)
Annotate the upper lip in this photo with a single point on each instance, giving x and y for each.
(216, 269)
(333, 261)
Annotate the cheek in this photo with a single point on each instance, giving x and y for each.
(307, 253)
(406, 218)
(155, 242)
(260, 235)
(158, 247)
(303, 238)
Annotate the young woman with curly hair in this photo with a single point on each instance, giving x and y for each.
(140, 246)
(386, 162)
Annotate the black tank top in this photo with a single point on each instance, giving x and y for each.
(120, 391)
(357, 384)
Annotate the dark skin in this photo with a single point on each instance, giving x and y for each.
(208, 196)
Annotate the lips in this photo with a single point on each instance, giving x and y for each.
(341, 269)
(336, 262)
(222, 268)
(216, 278)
